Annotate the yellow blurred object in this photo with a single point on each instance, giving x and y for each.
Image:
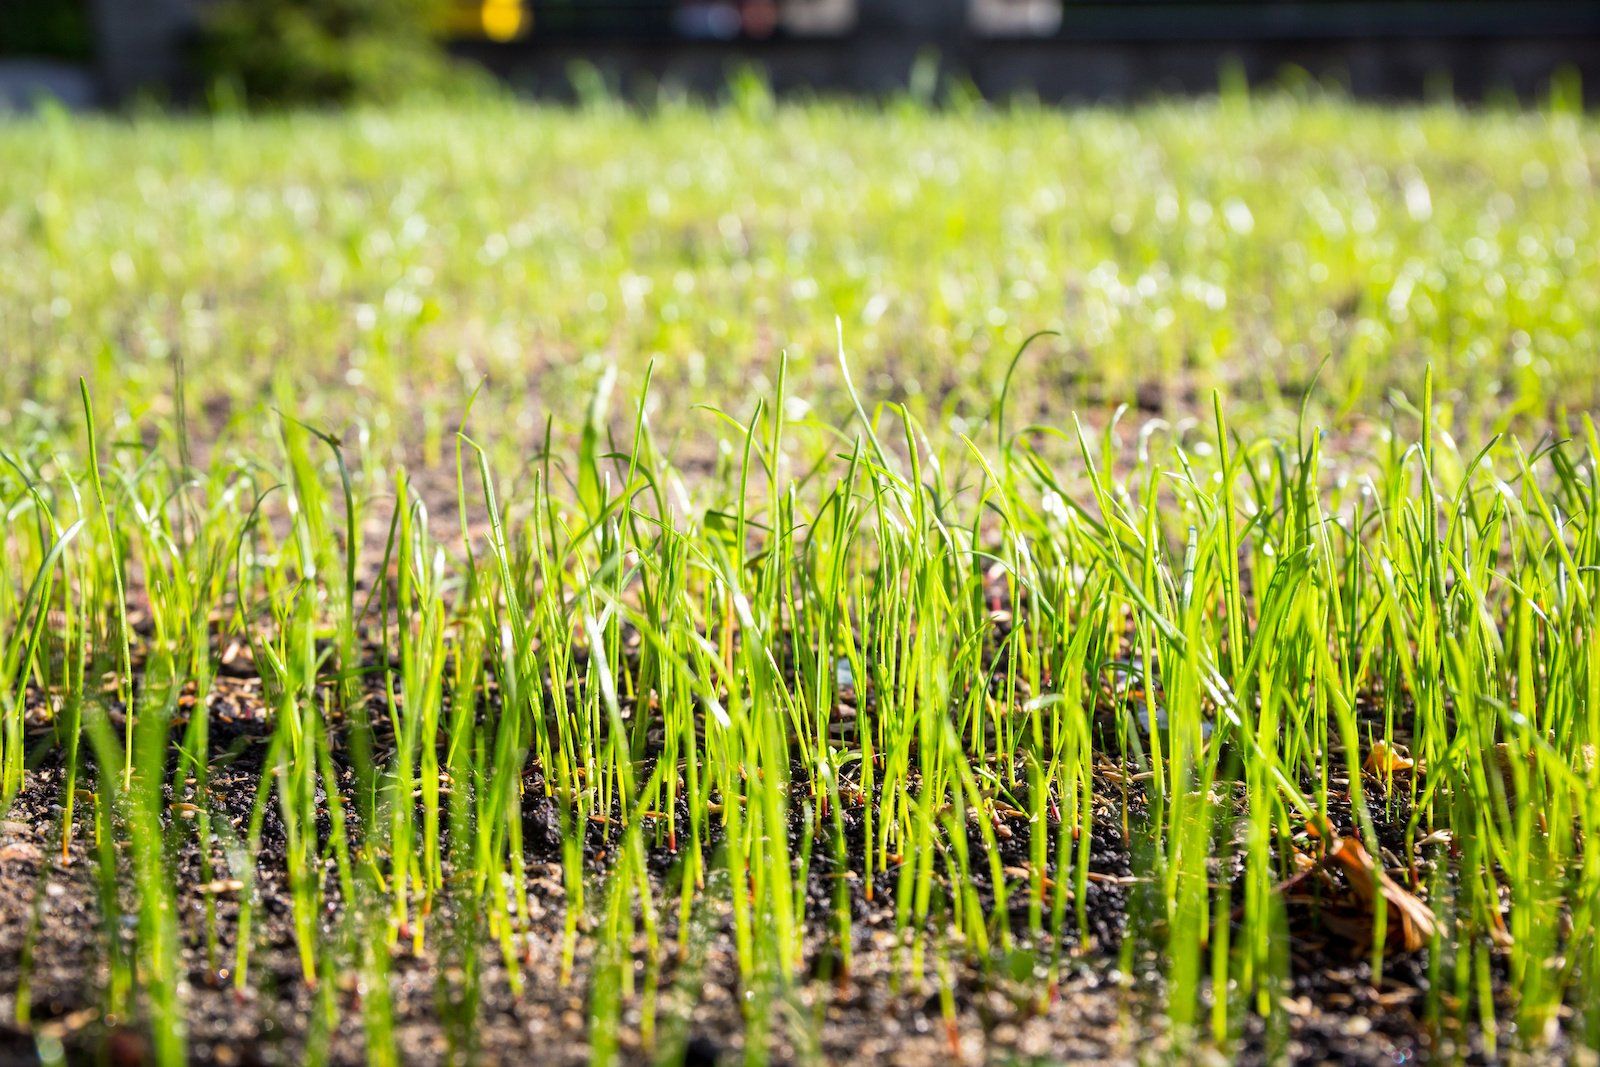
(502, 19)
(494, 20)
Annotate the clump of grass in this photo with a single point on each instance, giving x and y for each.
(1236, 633)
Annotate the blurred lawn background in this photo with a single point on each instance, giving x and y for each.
(373, 267)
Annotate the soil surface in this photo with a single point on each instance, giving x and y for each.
(1105, 1007)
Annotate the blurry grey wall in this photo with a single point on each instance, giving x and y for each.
(140, 43)
(924, 17)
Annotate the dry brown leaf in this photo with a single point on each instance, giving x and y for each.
(1409, 917)
(1385, 759)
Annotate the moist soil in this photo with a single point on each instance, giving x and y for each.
(1104, 1007)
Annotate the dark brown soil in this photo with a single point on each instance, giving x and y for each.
(51, 937)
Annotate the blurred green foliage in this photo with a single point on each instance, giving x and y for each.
(55, 29)
(297, 52)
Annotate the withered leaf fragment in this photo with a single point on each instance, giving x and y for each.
(1411, 922)
(1385, 759)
